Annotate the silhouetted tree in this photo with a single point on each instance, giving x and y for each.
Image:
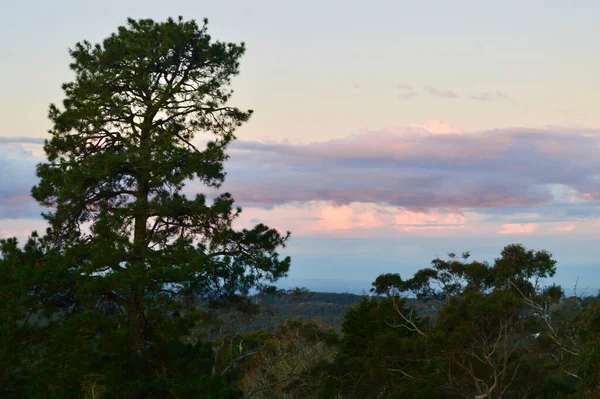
(133, 255)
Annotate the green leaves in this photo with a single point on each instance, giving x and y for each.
(517, 269)
(519, 265)
(129, 256)
(124, 145)
(488, 338)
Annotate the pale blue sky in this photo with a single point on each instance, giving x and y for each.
(400, 72)
(304, 58)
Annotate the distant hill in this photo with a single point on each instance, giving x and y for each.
(326, 307)
(329, 308)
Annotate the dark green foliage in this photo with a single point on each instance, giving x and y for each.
(120, 154)
(379, 355)
(291, 363)
(129, 257)
(494, 335)
(586, 326)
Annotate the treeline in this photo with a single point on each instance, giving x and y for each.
(498, 333)
(328, 308)
(138, 289)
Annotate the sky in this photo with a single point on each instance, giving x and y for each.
(384, 134)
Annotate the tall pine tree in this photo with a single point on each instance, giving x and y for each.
(145, 116)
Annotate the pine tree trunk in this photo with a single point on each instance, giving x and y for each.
(137, 321)
(137, 318)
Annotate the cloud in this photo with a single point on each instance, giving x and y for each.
(516, 228)
(17, 176)
(432, 170)
(345, 218)
(368, 220)
(407, 95)
(376, 221)
(21, 140)
(21, 228)
(405, 92)
(358, 219)
(440, 92)
(489, 96)
(439, 220)
(336, 218)
(437, 126)
(18, 170)
(564, 228)
(420, 169)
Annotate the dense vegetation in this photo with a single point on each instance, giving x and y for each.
(137, 290)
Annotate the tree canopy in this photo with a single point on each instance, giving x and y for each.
(134, 239)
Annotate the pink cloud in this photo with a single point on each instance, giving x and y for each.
(345, 218)
(335, 218)
(518, 228)
(368, 220)
(414, 172)
(420, 168)
(437, 126)
(323, 218)
(357, 219)
(410, 221)
(21, 228)
(564, 228)
(562, 148)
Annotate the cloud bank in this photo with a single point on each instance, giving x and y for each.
(429, 177)
(17, 176)
(421, 169)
